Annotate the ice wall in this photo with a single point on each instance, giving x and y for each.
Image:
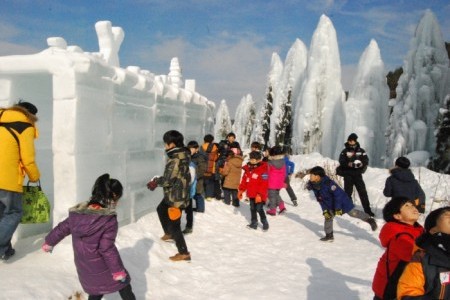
(96, 117)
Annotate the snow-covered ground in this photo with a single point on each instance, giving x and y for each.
(230, 261)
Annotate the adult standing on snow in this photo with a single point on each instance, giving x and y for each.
(17, 134)
(353, 162)
(402, 183)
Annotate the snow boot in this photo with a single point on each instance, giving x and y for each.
(328, 238)
(272, 212)
(372, 223)
(281, 207)
(294, 202)
(180, 257)
(8, 253)
(265, 225)
(252, 225)
(187, 230)
(166, 237)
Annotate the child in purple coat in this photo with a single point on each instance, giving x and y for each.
(93, 226)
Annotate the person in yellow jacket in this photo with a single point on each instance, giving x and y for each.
(427, 276)
(17, 159)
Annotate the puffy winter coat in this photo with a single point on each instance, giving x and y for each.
(255, 180)
(330, 196)
(200, 162)
(212, 154)
(277, 172)
(399, 237)
(353, 155)
(232, 171)
(177, 178)
(402, 183)
(96, 257)
(14, 165)
(427, 276)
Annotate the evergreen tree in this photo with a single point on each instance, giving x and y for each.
(441, 162)
(267, 113)
(223, 122)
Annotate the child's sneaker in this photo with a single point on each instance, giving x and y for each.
(328, 238)
(265, 225)
(272, 212)
(282, 210)
(8, 253)
(180, 257)
(252, 225)
(166, 237)
(281, 207)
(294, 202)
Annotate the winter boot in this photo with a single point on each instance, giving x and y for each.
(372, 223)
(8, 253)
(328, 238)
(253, 225)
(265, 225)
(180, 257)
(294, 202)
(281, 207)
(166, 237)
(272, 212)
(187, 230)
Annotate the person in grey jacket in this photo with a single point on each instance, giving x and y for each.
(402, 183)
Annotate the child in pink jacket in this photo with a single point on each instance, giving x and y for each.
(277, 177)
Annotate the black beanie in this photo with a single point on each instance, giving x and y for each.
(402, 162)
(352, 137)
(392, 207)
(431, 220)
(28, 106)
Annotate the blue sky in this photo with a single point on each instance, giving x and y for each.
(226, 45)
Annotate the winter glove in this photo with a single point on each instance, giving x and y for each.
(357, 164)
(258, 198)
(327, 214)
(47, 248)
(174, 213)
(152, 184)
(240, 194)
(120, 276)
(338, 212)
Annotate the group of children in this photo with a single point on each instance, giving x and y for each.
(93, 224)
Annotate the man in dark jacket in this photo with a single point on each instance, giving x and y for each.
(353, 162)
(402, 183)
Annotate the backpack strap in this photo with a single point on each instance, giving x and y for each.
(19, 126)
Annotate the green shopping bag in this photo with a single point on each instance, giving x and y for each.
(35, 205)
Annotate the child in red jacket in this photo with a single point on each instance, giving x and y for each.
(255, 183)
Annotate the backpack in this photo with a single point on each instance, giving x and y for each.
(390, 291)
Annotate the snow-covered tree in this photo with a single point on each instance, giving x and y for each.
(222, 125)
(420, 92)
(244, 121)
(441, 162)
(366, 110)
(319, 116)
(291, 79)
(262, 126)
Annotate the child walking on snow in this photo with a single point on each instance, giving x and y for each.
(255, 183)
(333, 201)
(277, 178)
(93, 225)
(231, 173)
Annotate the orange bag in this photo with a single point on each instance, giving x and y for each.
(174, 213)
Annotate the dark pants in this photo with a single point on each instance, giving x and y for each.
(209, 183)
(289, 189)
(358, 182)
(172, 227)
(199, 203)
(218, 188)
(126, 294)
(230, 195)
(189, 215)
(257, 208)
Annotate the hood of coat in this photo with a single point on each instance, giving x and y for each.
(354, 147)
(391, 229)
(236, 161)
(18, 113)
(404, 175)
(277, 161)
(180, 152)
(86, 220)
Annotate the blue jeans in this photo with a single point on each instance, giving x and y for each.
(10, 215)
(199, 203)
